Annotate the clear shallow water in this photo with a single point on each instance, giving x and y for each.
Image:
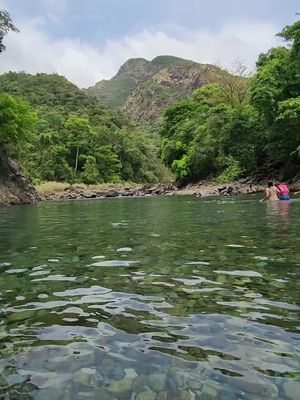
(154, 298)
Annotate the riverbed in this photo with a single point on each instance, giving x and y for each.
(150, 298)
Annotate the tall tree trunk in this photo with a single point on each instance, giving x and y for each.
(76, 160)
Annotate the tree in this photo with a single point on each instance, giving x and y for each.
(234, 84)
(271, 83)
(6, 25)
(291, 34)
(79, 132)
(275, 93)
(90, 173)
(17, 121)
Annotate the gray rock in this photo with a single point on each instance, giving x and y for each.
(187, 395)
(148, 394)
(195, 383)
(14, 379)
(130, 373)
(112, 193)
(209, 392)
(84, 376)
(117, 373)
(255, 387)
(292, 390)
(157, 382)
(120, 387)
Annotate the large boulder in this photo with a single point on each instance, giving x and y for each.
(15, 188)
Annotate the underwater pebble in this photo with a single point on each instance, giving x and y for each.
(292, 390)
(157, 382)
(117, 373)
(147, 395)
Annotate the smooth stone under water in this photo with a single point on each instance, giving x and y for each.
(150, 299)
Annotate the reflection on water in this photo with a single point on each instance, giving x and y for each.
(163, 298)
(278, 212)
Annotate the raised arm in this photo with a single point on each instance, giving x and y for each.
(266, 196)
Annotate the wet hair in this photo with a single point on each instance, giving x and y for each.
(270, 184)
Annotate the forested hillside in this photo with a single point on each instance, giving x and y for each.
(70, 136)
(229, 129)
(144, 89)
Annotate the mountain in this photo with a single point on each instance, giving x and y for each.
(143, 89)
(115, 92)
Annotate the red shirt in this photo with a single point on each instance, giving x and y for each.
(283, 189)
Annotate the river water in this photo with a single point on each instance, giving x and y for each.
(153, 298)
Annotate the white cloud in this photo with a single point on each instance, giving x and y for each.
(33, 50)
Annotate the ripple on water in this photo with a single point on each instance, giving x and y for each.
(114, 263)
(124, 249)
(223, 329)
(197, 263)
(58, 277)
(82, 291)
(15, 270)
(250, 274)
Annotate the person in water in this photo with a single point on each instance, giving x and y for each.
(272, 192)
(284, 191)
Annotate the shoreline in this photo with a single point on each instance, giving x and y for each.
(58, 191)
(201, 189)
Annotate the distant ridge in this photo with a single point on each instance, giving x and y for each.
(143, 89)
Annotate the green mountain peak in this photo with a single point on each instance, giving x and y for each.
(143, 89)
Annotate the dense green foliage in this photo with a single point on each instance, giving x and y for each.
(226, 129)
(230, 128)
(77, 139)
(17, 121)
(114, 93)
(170, 61)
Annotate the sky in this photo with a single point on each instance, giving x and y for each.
(88, 40)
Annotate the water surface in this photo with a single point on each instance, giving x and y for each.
(152, 298)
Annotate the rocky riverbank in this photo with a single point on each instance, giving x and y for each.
(15, 189)
(201, 189)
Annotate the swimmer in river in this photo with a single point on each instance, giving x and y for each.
(272, 193)
(284, 191)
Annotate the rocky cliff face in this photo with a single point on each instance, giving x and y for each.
(143, 89)
(14, 187)
(114, 92)
(146, 104)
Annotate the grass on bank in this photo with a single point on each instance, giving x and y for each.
(47, 188)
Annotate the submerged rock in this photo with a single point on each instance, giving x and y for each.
(292, 390)
(187, 395)
(120, 387)
(157, 381)
(117, 373)
(130, 373)
(84, 376)
(209, 392)
(148, 394)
